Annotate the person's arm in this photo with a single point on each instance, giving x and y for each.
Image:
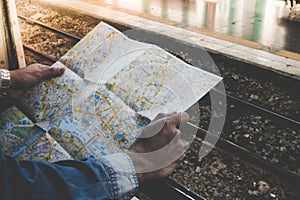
(72, 179)
(110, 177)
(13, 83)
(155, 154)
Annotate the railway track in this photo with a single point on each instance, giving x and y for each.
(237, 138)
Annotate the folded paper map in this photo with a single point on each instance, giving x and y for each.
(113, 86)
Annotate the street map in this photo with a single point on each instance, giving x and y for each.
(113, 86)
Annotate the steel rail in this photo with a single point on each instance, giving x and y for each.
(169, 189)
(248, 156)
(32, 21)
(258, 107)
(39, 53)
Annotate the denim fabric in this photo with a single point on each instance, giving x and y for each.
(72, 179)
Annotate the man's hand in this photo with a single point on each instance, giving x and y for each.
(24, 78)
(159, 149)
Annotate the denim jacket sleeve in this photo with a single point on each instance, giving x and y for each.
(110, 177)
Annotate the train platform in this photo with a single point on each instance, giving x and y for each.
(256, 32)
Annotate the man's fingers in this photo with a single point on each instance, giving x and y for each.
(163, 115)
(171, 122)
(153, 128)
(180, 118)
(42, 72)
(56, 70)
